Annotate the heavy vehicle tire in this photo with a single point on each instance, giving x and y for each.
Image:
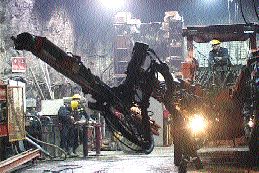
(1, 149)
(254, 145)
(178, 138)
(177, 150)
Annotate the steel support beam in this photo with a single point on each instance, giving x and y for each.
(18, 160)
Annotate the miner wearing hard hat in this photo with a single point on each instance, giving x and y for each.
(69, 116)
(66, 127)
(218, 56)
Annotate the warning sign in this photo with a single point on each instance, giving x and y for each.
(19, 64)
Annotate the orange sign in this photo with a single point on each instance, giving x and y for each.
(18, 64)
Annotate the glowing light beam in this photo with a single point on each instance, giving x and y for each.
(113, 4)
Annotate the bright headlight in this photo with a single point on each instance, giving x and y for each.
(197, 123)
(251, 123)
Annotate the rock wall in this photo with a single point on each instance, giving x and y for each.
(17, 16)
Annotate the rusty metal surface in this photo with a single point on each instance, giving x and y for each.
(235, 32)
(16, 118)
(18, 160)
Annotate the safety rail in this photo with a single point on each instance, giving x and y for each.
(50, 133)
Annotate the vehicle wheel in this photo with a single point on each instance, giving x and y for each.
(1, 150)
(177, 150)
(254, 145)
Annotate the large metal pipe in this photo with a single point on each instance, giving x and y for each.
(85, 140)
(97, 138)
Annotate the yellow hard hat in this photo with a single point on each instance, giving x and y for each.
(214, 42)
(74, 104)
(76, 96)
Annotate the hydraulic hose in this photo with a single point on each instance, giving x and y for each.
(42, 142)
(45, 143)
(38, 146)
